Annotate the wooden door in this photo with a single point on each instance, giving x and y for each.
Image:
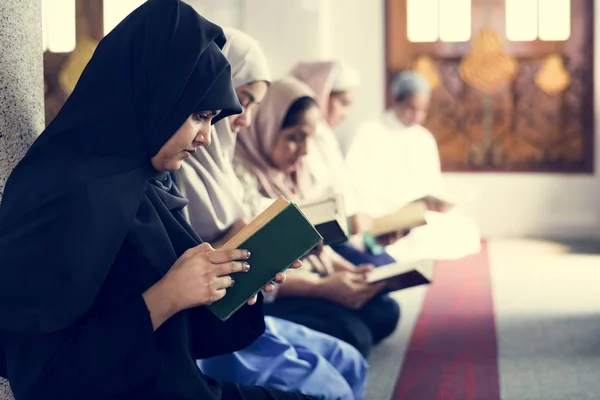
(500, 104)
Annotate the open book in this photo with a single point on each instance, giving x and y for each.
(329, 218)
(276, 238)
(408, 217)
(404, 275)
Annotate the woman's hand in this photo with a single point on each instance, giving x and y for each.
(348, 289)
(199, 277)
(202, 275)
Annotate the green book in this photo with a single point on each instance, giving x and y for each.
(276, 238)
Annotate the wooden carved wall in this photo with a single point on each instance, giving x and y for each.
(499, 105)
(61, 70)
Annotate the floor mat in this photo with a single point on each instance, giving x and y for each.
(452, 354)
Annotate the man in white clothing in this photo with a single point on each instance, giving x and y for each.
(395, 160)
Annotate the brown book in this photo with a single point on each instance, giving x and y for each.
(408, 217)
(276, 238)
(403, 275)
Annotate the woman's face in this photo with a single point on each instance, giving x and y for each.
(413, 110)
(339, 102)
(249, 96)
(194, 132)
(292, 142)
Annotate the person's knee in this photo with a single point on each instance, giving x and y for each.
(391, 310)
(362, 340)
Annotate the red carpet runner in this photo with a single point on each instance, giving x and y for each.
(452, 354)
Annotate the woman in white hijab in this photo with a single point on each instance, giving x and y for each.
(335, 84)
(287, 356)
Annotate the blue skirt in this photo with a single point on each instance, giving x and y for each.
(293, 358)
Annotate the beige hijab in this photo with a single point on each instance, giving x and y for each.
(256, 143)
(326, 161)
(324, 77)
(207, 179)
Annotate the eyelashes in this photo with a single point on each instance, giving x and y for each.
(202, 116)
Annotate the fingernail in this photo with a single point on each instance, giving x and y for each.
(248, 254)
(246, 267)
(232, 282)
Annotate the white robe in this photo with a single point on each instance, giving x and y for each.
(326, 163)
(392, 165)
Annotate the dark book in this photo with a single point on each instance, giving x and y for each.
(276, 238)
(329, 219)
(403, 275)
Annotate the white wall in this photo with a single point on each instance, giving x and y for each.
(541, 205)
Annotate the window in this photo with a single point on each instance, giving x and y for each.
(116, 10)
(58, 25)
(548, 20)
(444, 20)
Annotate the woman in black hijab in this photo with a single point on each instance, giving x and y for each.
(101, 279)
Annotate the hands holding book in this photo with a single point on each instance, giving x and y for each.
(349, 287)
(199, 277)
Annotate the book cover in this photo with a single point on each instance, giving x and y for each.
(329, 219)
(276, 238)
(404, 275)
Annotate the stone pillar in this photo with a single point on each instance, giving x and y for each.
(21, 90)
(21, 81)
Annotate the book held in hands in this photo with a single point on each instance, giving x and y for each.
(401, 275)
(276, 238)
(328, 216)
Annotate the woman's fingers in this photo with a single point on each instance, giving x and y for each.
(252, 301)
(224, 256)
(223, 282)
(279, 278)
(269, 287)
(231, 267)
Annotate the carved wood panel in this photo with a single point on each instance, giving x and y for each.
(517, 126)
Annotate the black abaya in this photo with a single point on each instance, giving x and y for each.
(87, 225)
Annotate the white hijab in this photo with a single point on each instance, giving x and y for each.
(207, 179)
(325, 159)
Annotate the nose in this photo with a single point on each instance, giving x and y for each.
(244, 119)
(203, 138)
(303, 148)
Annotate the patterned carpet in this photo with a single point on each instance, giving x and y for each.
(546, 303)
(542, 299)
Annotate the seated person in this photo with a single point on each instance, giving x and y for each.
(399, 146)
(335, 84)
(103, 283)
(329, 295)
(287, 356)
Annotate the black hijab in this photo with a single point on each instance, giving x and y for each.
(87, 182)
